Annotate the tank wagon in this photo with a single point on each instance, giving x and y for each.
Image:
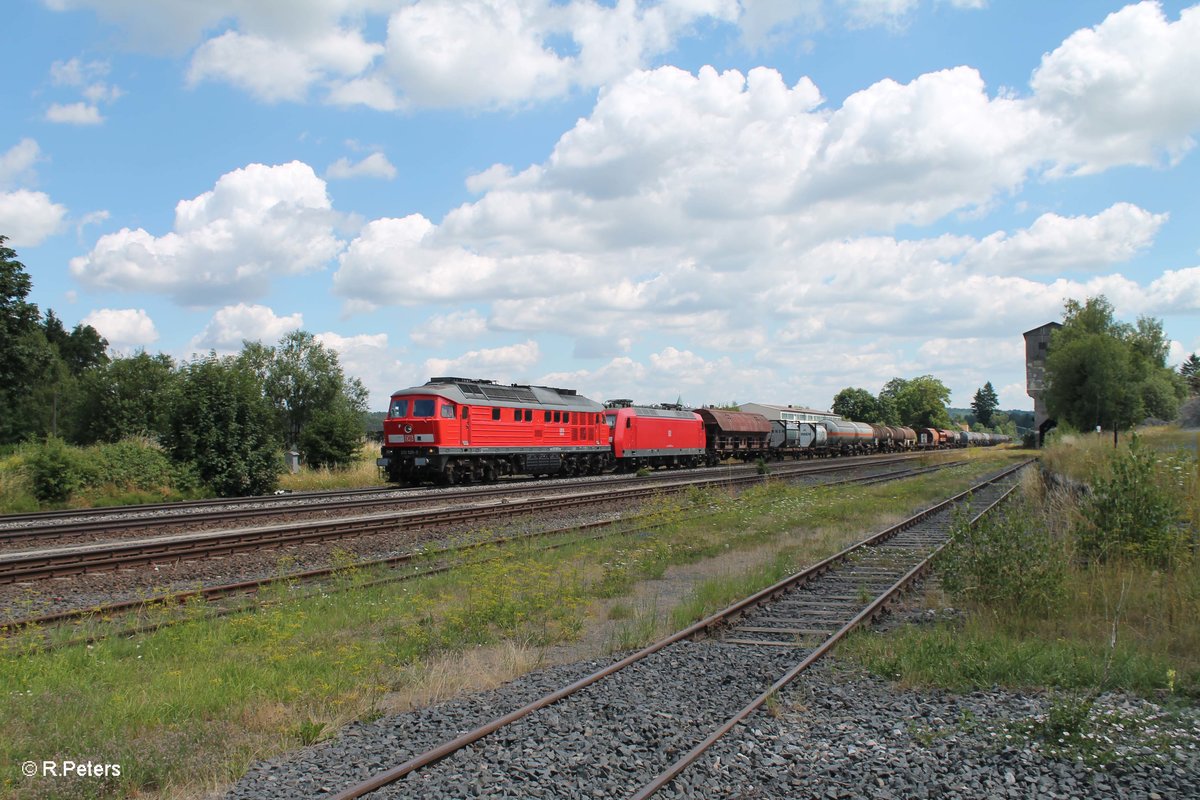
(796, 439)
(846, 437)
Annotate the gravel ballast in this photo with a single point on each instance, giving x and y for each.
(836, 733)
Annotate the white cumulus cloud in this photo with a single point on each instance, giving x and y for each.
(74, 114)
(16, 163)
(256, 223)
(85, 77)
(510, 363)
(1054, 244)
(376, 165)
(124, 328)
(232, 325)
(1124, 91)
(29, 218)
(453, 327)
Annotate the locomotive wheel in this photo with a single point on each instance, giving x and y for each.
(489, 473)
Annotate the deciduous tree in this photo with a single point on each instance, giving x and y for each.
(220, 422)
(126, 397)
(858, 405)
(919, 403)
(307, 388)
(25, 356)
(1107, 373)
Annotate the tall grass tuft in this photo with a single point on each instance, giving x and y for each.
(1136, 508)
(1009, 562)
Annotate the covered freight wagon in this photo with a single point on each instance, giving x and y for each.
(734, 434)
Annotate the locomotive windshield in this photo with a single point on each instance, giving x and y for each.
(399, 409)
(612, 419)
(424, 407)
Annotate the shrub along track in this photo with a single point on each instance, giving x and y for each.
(418, 563)
(632, 728)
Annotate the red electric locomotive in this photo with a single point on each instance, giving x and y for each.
(459, 430)
(654, 436)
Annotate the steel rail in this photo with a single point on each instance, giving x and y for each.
(251, 586)
(867, 614)
(715, 620)
(96, 521)
(79, 559)
(183, 505)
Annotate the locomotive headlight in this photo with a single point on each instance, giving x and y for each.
(408, 428)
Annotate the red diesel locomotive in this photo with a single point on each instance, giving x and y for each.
(457, 430)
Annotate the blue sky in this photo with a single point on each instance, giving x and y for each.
(710, 200)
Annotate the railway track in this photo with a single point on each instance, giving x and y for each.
(634, 727)
(45, 526)
(249, 587)
(32, 565)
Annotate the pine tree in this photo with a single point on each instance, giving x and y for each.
(1190, 370)
(984, 404)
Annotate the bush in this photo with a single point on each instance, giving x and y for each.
(1008, 560)
(332, 437)
(220, 424)
(1136, 508)
(133, 464)
(55, 470)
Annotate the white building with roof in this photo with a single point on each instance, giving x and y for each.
(787, 413)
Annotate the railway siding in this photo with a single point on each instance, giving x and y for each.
(613, 733)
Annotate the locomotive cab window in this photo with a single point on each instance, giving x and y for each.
(465, 409)
(448, 411)
(399, 409)
(424, 407)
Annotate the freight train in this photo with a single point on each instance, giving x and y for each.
(465, 430)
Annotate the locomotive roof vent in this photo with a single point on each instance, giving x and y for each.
(458, 380)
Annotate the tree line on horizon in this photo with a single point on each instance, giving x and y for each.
(226, 419)
(921, 402)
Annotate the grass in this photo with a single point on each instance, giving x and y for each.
(1118, 624)
(1081, 455)
(829, 518)
(197, 702)
(186, 709)
(363, 472)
